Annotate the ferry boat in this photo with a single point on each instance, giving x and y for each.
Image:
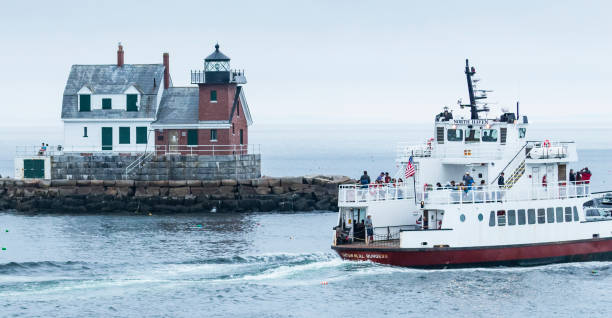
(535, 215)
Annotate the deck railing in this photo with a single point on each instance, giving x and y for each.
(360, 194)
(213, 150)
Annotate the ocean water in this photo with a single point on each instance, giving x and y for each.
(256, 265)
(273, 264)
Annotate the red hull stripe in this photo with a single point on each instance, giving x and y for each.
(509, 255)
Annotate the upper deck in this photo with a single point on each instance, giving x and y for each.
(358, 195)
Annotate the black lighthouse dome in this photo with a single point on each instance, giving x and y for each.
(217, 67)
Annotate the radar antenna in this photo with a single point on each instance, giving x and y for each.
(474, 105)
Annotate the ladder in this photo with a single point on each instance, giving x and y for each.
(515, 176)
(137, 163)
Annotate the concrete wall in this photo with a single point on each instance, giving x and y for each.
(169, 167)
(19, 174)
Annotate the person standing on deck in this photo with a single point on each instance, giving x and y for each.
(369, 228)
(500, 180)
(364, 180)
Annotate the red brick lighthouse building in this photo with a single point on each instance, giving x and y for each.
(210, 119)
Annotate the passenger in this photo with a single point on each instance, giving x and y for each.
(400, 181)
(387, 178)
(468, 180)
(586, 175)
(572, 176)
(452, 185)
(544, 183)
(438, 186)
(369, 228)
(380, 178)
(500, 180)
(578, 177)
(364, 180)
(42, 149)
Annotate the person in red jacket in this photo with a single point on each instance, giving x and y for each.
(586, 175)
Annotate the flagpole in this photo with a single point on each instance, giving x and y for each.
(414, 181)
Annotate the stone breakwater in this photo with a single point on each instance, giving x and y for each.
(172, 196)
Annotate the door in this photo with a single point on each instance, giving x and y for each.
(33, 169)
(535, 176)
(107, 138)
(173, 141)
(562, 173)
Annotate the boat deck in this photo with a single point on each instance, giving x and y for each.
(372, 245)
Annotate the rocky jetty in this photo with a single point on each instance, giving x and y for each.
(172, 196)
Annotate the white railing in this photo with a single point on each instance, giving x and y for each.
(474, 195)
(139, 161)
(55, 150)
(207, 150)
(349, 193)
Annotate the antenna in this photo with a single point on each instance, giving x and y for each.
(482, 94)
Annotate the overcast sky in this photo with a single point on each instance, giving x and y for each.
(331, 62)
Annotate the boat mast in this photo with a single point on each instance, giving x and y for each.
(473, 105)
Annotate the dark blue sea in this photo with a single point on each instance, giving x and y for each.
(270, 264)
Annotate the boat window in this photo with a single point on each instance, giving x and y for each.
(511, 217)
(521, 217)
(454, 135)
(480, 217)
(541, 216)
(550, 215)
(559, 215)
(592, 212)
(472, 135)
(568, 214)
(501, 218)
(531, 216)
(522, 132)
(489, 135)
(576, 218)
(492, 218)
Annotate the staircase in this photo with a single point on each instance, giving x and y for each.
(516, 175)
(137, 163)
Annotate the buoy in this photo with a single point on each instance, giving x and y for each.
(4, 248)
(150, 214)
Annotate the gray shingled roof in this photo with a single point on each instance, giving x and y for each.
(111, 79)
(179, 105)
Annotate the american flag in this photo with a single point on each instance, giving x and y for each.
(410, 168)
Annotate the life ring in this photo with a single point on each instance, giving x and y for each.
(547, 143)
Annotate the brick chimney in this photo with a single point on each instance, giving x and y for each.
(166, 70)
(120, 55)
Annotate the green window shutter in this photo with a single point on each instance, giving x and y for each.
(107, 138)
(213, 96)
(124, 135)
(141, 135)
(107, 103)
(85, 103)
(192, 137)
(131, 102)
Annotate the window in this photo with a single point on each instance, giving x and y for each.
(492, 218)
(107, 103)
(84, 131)
(489, 135)
(141, 135)
(213, 96)
(192, 137)
(213, 135)
(454, 135)
(85, 103)
(238, 110)
(559, 215)
(160, 137)
(501, 218)
(462, 217)
(550, 215)
(502, 135)
(576, 214)
(541, 216)
(440, 135)
(241, 137)
(233, 129)
(131, 101)
(480, 217)
(531, 216)
(511, 217)
(472, 135)
(522, 132)
(521, 217)
(568, 214)
(124, 135)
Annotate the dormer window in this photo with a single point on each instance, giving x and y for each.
(107, 103)
(131, 102)
(84, 102)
